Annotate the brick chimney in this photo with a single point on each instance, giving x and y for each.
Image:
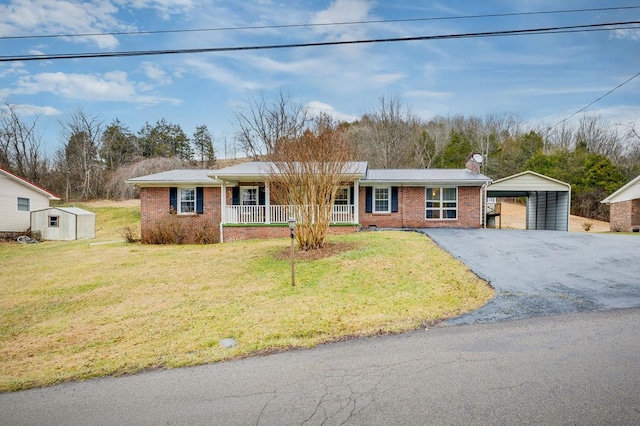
(473, 162)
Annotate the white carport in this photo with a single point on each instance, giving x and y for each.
(548, 199)
(64, 223)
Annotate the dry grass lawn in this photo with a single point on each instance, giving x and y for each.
(76, 310)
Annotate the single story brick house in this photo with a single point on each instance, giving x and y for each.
(624, 213)
(237, 199)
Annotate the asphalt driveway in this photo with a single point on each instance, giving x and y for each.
(546, 272)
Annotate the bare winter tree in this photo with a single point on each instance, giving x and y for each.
(306, 173)
(262, 126)
(78, 159)
(390, 134)
(20, 142)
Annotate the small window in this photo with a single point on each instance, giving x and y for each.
(23, 204)
(187, 200)
(381, 200)
(442, 203)
(249, 196)
(54, 221)
(342, 197)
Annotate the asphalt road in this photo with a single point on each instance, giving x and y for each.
(579, 368)
(546, 272)
(573, 369)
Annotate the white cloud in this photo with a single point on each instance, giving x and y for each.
(630, 34)
(386, 79)
(209, 71)
(44, 17)
(111, 86)
(12, 69)
(315, 108)
(27, 110)
(155, 73)
(343, 11)
(165, 8)
(428, 94)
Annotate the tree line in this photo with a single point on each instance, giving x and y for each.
(594, 156)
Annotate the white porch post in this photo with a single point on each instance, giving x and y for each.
(267, 203)
(356, 201)
(223, 207)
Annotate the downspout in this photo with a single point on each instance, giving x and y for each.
(223, 201)
(483, 213)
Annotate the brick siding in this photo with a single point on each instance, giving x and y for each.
(412, 210)
(154, 204)
(625, 216)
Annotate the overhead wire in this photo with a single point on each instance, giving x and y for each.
(591, 103)
(323, 24)
(531, 31)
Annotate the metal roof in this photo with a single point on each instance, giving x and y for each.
(76, 211)
(423, 176)
(261, 169)
(176, 177)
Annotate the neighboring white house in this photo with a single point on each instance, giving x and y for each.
(624, 214)
(18, 198)
(64, 223)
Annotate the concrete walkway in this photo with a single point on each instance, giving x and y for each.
(546, 272)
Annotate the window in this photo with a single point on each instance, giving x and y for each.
(54, 221)
(249, 196)
(342, 197)
(381, 200)
(23, 204)
(442, 203)
(187, 199)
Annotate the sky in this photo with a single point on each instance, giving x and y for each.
(541, 78)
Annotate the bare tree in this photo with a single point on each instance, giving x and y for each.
(387, 136)
(79, 156)
(306, 173)
(262, 126)
(20, 143)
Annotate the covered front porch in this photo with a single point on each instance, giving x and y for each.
(249, 203)
(278, 214)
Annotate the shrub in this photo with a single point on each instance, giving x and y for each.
(587, 226)
(130, 234)
(173, 229)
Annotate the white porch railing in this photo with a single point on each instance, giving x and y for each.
(280, 214)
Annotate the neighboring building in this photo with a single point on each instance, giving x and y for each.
(18, 198)
(238, 199)
(624, 213)
(64, 223)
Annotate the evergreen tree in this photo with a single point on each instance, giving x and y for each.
(203, 144)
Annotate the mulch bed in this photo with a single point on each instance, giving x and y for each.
(329, 249)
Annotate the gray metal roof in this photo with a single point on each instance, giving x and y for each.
(423, 176)
(257, 169)
(176, 177)
(76, 211)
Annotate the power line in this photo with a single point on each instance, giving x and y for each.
(531, 31)
(587, 106)
(367, 22)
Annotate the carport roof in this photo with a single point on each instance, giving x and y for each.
(523, 183)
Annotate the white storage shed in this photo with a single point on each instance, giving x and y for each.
(64, 223)
(548, 199)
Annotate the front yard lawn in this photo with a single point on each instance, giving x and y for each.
(76, 310)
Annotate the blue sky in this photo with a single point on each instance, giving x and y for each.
(541, 78)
